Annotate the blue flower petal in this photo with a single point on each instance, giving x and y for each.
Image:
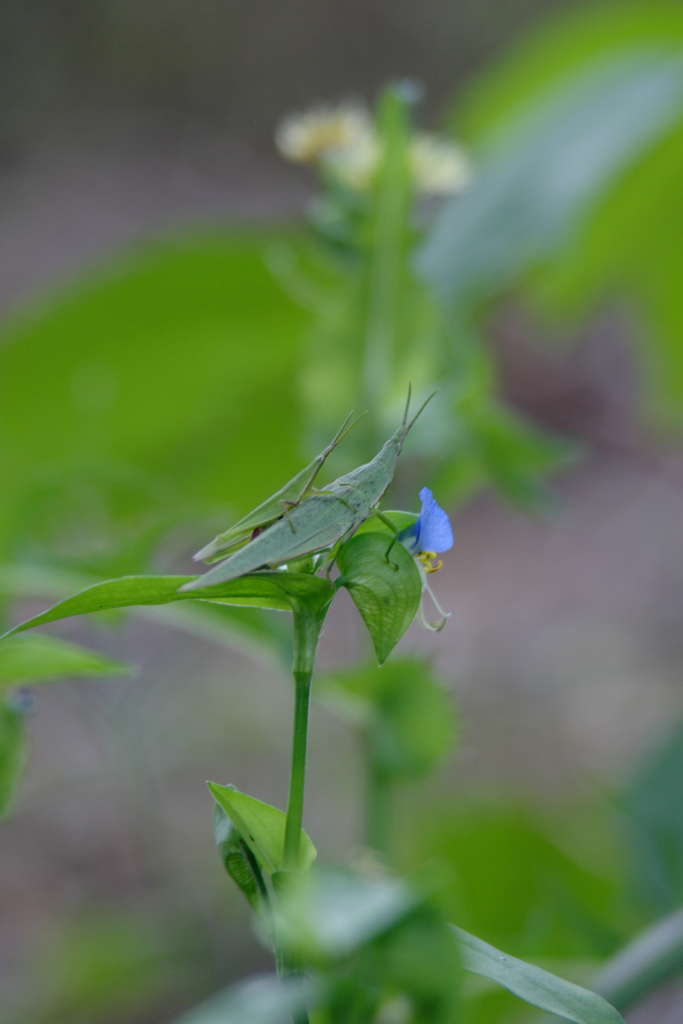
(434, 528)
(410, 537)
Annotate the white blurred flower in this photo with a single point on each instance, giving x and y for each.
(355, 163)
(439, 166)
(343, 139)
(325, 132)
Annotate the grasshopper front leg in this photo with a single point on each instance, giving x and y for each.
(392, 526)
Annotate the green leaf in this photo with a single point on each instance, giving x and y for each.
(261, 826)
(246, 629)
(238, 860)
(373, 524)
(12, 754)
(38, 659)
(534, 985)
(275, 590)
(265, 1000)
(386, 597)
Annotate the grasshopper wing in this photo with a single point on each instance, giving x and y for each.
(274, 507)
(317, 523)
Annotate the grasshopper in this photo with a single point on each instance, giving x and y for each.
(275, 507)
(317, 522)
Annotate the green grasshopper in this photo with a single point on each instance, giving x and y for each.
(317, 522)
(278, 505)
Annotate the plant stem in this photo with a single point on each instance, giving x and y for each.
(307, 623)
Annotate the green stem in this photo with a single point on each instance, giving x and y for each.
(307, 623)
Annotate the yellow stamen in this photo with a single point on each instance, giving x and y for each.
(426, 559)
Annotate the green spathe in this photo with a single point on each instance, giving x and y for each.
(262, 827)
(385, 590)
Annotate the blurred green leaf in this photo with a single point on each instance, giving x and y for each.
(251, 630)
(12, 754)
(534, 985)
(623, 237)
(262, 827)
(554, 46)
(332, 911)
(147, 366)
(652, 801)
(403, 710)
(551, 162)
(514, 883)
(387, 597)
(264, 1000)
(263, 590)
(376, 942)
(39, 659)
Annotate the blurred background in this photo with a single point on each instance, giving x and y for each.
(156, 362)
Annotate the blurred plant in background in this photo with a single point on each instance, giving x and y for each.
(145, 381)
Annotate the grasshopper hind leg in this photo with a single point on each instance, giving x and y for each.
(287, 507)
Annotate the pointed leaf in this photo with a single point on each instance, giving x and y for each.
(39, 659)
(534, 985)
(262, 827)
(244, 628)
(12, 754)
(264, 590)
(387, 597)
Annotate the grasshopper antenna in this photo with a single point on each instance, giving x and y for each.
(341, 434)
(405, 411)
(344, 430)
(421, 409)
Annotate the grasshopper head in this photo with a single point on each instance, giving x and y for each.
(391, 449)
